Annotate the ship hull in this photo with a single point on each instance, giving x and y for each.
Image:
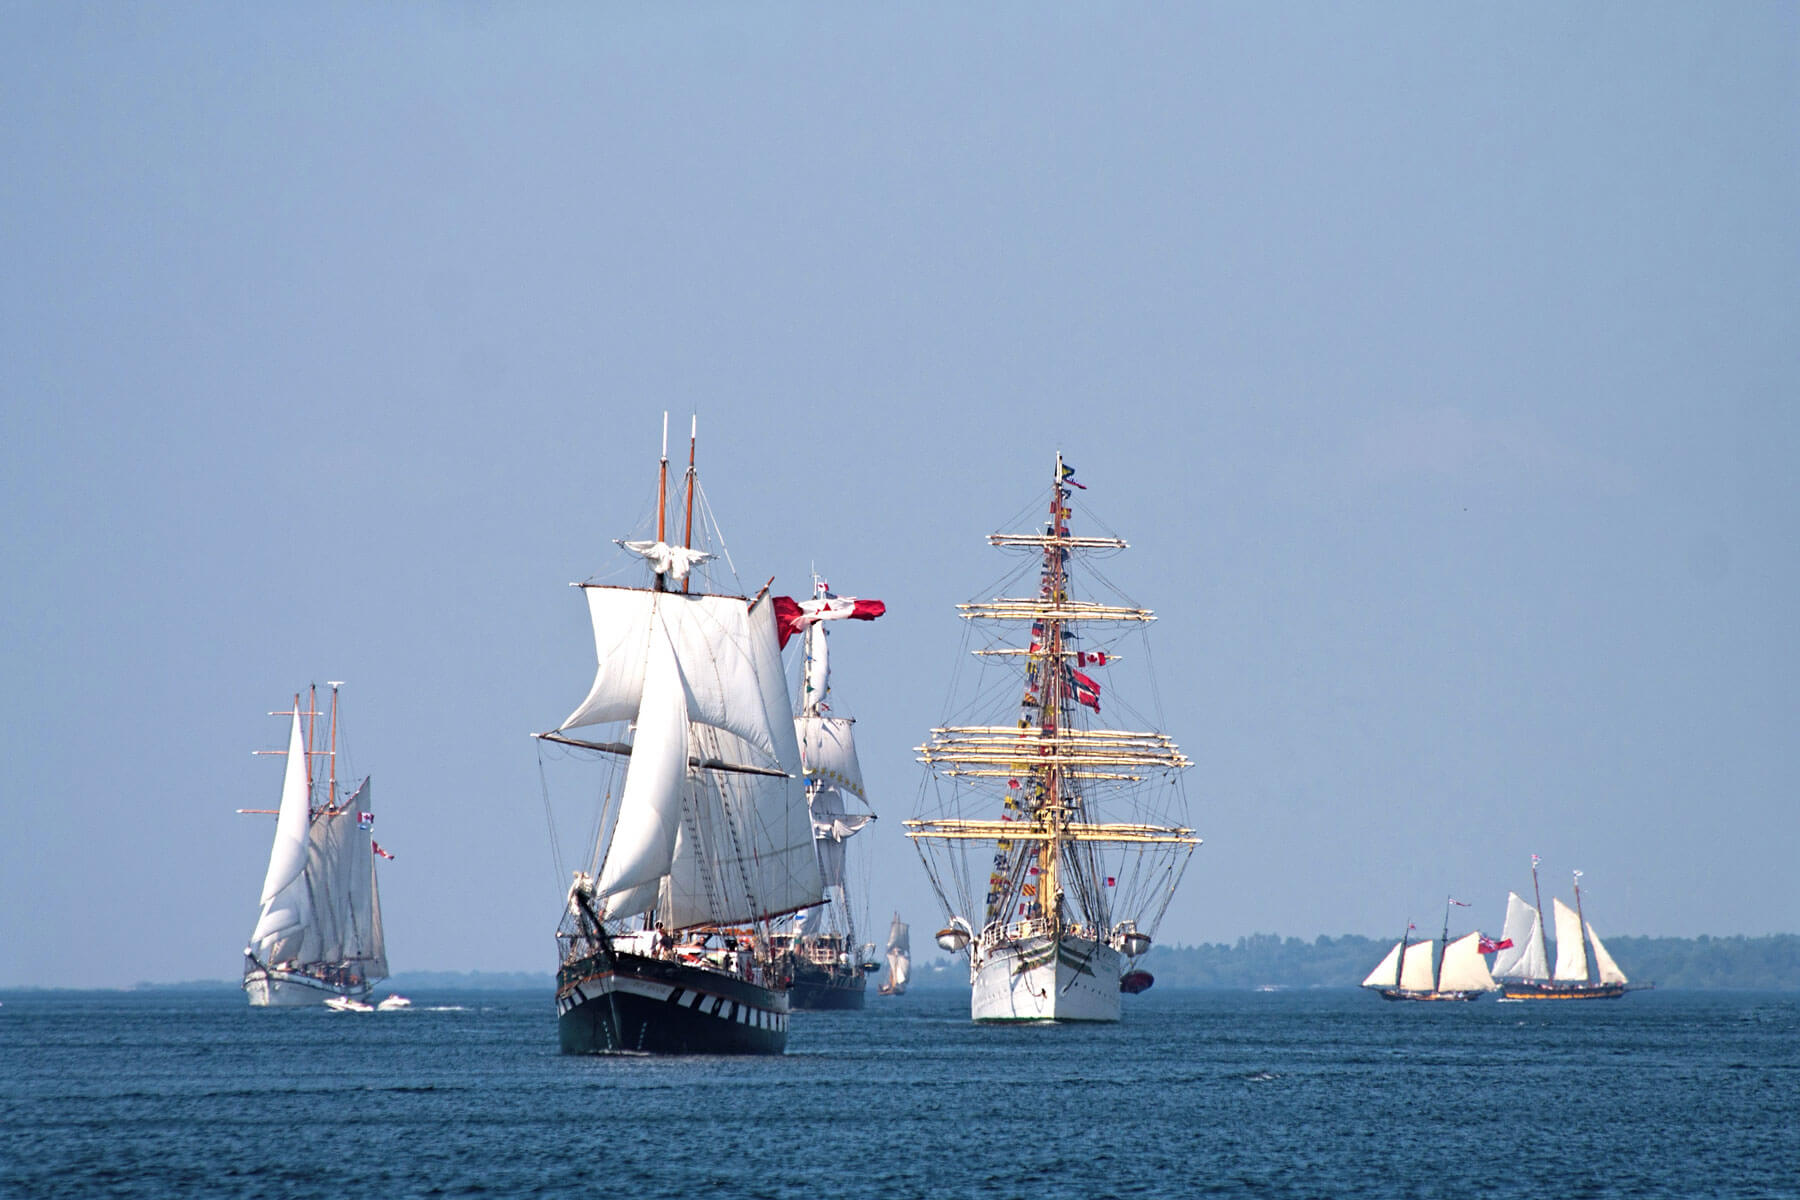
(626, 1003)
(1403, 994)
(268, 988)
(1522, 990)
(1036, 978)
(818, 988)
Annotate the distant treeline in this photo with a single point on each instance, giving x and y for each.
(1771, 962)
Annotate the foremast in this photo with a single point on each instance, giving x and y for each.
(1049, 836)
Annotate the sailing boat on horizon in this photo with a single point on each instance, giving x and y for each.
(1049, 892)
(318, 937)
(1524, 970)
(706, 838)
(899, 958)
(820, 953)
(1406, 972)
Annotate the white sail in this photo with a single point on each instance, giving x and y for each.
(899, 970)
(711, 640)
(363, 941)
(1463, 969)
(286, 905)
(746, 844)
(1387, 972)
(621, 618)
(643, 840)
(1571, 961)
(1415, 968)
(828, 751)
(1609, 970)
(815, 673)
(1525, 958)
(900, 936)
(832, 827)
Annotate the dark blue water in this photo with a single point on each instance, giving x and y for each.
(1328, 1094)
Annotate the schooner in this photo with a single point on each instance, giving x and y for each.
(318, 936)
(1054, 842)
(1524, 970)
(704, 835)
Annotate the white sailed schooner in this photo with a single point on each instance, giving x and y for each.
(1054, 844)
(1523, 968)
(899, 958)
(665, 935)
(318, 937)
(1406, 972)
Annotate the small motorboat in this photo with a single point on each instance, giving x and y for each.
(393, 1002)
(348, 1004)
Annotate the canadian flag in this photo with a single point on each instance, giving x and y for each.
(377, 848)
(791, 615)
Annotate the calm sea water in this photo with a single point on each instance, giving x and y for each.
(1329, 1094)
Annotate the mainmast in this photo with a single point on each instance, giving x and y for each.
(1591, 968)
(662, 497)
(687, 534)
(1538, 897)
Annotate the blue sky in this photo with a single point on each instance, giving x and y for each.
(1439, 364)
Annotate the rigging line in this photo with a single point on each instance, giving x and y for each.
(556, 858)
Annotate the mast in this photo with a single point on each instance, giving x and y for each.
(1400, 963)
(1539, 899)
(1586, 951)
(312, 720)
(662, 496)
(1443, 946)
(687, 535)
(331, 792)
(1050, 863)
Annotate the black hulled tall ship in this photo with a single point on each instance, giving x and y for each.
(820, 952)
(704, 837)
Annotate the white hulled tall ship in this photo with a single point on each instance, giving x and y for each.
(318, 938)
(820, 952)
(1054, 844)
(704, 835)
(1407, 973)
(1584, 970)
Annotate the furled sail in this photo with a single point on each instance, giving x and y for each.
(1415, 968)
(1571, 960)
(1609, 970)
(1463, 969)
(1387, 971)
(1525, 958)
(286, 904)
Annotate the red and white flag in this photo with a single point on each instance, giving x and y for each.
(1488, 945)
(792, 616)
(377, 847)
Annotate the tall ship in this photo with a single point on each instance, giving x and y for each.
(1583, 971)
(704, 837)
(820, 952)
(899, 959)
(318, 937)
(1055, 842)
(1407, 972)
